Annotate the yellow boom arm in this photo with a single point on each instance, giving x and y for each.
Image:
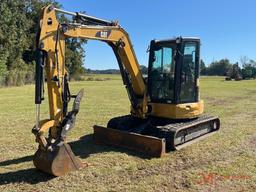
(52, 43)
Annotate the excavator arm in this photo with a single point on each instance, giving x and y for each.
(52, 42)
(117, 38)
(51, 57)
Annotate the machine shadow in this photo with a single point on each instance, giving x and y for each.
(86, 146)
(17, 161)
(31, 176)
(82, 148)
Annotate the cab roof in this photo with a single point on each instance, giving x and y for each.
(179, 38)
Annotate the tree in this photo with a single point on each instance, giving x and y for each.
(249, 69)
(252, 63)
(3, 67)
(203, 68)
(74, 57)
(234, 72)
(244, 60)
(247, 73)
(33, 12)
(13, 32)
(18, 30)
(75, 53)
(144, 69)
(219, 67)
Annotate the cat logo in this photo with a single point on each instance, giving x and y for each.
(103, 34)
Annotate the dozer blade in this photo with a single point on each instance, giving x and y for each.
(58, 162)
(155, 136)
(148, 145)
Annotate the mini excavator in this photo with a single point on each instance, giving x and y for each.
(166, 110)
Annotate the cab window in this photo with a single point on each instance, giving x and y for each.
(162, 74)
(188, 73)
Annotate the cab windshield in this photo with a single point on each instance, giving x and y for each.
(162, 72)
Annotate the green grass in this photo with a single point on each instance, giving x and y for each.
(223, 162)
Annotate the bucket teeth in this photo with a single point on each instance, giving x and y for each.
(57, 162)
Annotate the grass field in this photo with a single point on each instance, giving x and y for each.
(224, 162)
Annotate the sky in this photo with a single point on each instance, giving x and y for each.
(227, 28)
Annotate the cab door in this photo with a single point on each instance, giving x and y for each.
(189, 73)
(161, 76)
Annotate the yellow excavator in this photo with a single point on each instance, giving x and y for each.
(166, 110)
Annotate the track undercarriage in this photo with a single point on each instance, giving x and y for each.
(155, 136)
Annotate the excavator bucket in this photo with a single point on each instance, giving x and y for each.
(58, 162)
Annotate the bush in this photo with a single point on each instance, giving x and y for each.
(19, 77)
(247, 73)
(2, 81)
(29, 77)
(76, 77)
(97, 79)
(90, 79)
(10, 79)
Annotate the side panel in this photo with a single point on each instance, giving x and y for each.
(177, 111)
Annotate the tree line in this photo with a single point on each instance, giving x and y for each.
(19, 21)
(143, 69)
(246, 69)
(222, 67)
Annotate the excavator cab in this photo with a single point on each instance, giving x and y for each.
(173, 78)
(174, 71)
